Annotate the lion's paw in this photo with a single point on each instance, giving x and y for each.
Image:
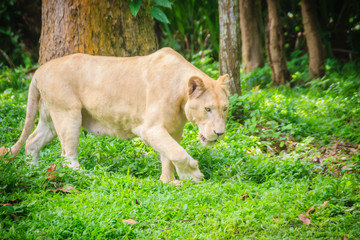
(192, 172)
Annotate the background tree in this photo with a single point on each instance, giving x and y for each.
(275, 45)
(251, 38)
(316, 49)
(230, 45)
(20, 27)
(96, 27)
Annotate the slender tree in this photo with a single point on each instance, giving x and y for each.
(275, 45)
(314, 44)
(230, 45)
(95, 27)
(251, 40)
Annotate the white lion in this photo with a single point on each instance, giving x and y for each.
(151, 97)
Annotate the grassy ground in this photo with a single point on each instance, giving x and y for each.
(293, 154)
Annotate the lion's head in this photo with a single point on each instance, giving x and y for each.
(207, 107)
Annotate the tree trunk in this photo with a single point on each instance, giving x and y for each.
(251, 40)
(230, 45)
(275, 45)
(315, 47)
(97, 27)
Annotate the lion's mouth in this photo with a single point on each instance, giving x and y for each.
(206, 141)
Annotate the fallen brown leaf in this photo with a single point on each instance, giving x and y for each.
(50, 171)
(310, 211)
(304, 219)
(324, 205)
(11, 202)
(137, 202)
(65, 189)
(276, 219)
(68, 189)
(315, 160)
(129, 221)
(41, 233)
(244, 197)
(6, 204)
(15, 201)
(345, 237)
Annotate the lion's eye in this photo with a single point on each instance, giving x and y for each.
(207, 109)
(225, 109)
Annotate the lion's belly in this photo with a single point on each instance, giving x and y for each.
(120, 127)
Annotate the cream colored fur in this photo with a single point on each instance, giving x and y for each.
(151, 97)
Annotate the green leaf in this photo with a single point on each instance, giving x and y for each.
(158, 14)
(135, 7)
(163, 3)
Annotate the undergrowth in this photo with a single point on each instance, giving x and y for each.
(292, 151)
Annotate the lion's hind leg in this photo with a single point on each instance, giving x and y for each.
(43, 134)
(67, 124)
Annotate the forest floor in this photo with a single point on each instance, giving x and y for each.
(288, 168)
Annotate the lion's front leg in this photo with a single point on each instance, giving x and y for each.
(186, 167)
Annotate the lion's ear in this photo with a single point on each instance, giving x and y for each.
(224, 82)
(196, 87)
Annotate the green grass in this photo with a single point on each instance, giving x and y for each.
(290, 150)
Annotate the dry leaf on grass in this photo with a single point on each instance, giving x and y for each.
(316, 160)
(324, 205)
(345, 237)
(65, 189)
(276, 219)
(6, 204)
(50, 171)
(304, 219)
(310, 211)
(11, 202)
(244, 197)
(129, 221)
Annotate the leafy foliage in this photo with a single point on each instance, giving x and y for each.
(194, 27)
(135, 7)
(288, 170)
(155, 11)
(15, 36)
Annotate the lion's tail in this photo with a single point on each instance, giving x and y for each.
(31, 112)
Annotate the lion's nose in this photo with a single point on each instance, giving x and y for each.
(219, 133)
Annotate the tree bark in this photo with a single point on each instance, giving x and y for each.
(314, 44)
(230, 45)
(97, 27)
(275, 45)
(251, 40)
